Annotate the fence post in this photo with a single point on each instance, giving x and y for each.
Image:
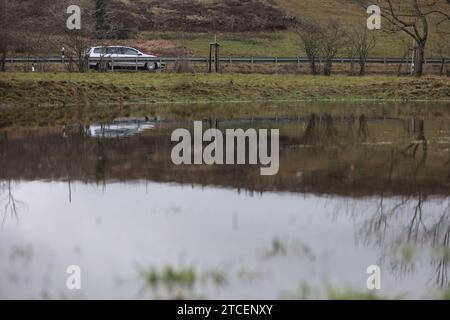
(298, 64)
(385, 65)
(446, 67)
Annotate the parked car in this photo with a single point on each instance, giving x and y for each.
(104, 56)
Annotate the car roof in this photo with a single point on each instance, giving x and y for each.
(113, 47)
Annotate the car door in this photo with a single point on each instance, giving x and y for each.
(113, 53)
(130, 54)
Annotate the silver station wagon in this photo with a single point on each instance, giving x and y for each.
(125, 57)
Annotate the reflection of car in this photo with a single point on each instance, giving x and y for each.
(120, 129)
(110, 53)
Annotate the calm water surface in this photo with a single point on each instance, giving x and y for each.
(353, 190)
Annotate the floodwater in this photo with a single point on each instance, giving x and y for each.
(352, 191)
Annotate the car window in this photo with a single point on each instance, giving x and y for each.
(99, 50)
(112, 50)
(128, 52)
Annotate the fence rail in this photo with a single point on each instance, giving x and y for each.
(252, 60)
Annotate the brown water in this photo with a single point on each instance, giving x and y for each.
(352, 191)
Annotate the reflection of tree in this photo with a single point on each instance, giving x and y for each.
(440, 235)
(418, 133)
(100, 163)
(413, 220)
(363, 129)
(448, 164)
(11, 205)
(320, 129)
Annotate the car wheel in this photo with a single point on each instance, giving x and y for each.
(150, 66)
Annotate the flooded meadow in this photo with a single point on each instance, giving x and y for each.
(354, 189)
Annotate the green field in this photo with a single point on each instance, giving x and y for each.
(164, 87)
(262, 44)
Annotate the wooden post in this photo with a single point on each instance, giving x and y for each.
(214, 48)
(217, 57)
(210, 58)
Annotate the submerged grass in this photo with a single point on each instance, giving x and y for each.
(278, 248)
(171, 277)
(185, 277)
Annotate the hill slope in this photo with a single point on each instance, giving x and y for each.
(186, 27)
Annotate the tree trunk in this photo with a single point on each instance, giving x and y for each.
(3, 62)
(419, 58)
(312, 66)
(362, 67)
(327, 67)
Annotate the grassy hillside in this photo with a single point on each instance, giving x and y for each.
(285, 42)
(186, 27)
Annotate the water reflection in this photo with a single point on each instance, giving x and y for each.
(387, 178)
(10, 204)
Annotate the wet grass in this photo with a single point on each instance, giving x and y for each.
(89, 88)
(46, 99)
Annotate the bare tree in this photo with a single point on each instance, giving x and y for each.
(333, 40)
(77, 42)
(8, 19)
(442, 49)
(407, 49)
(4, 36)
(360, 44)
(413, 18)
(310, 33)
